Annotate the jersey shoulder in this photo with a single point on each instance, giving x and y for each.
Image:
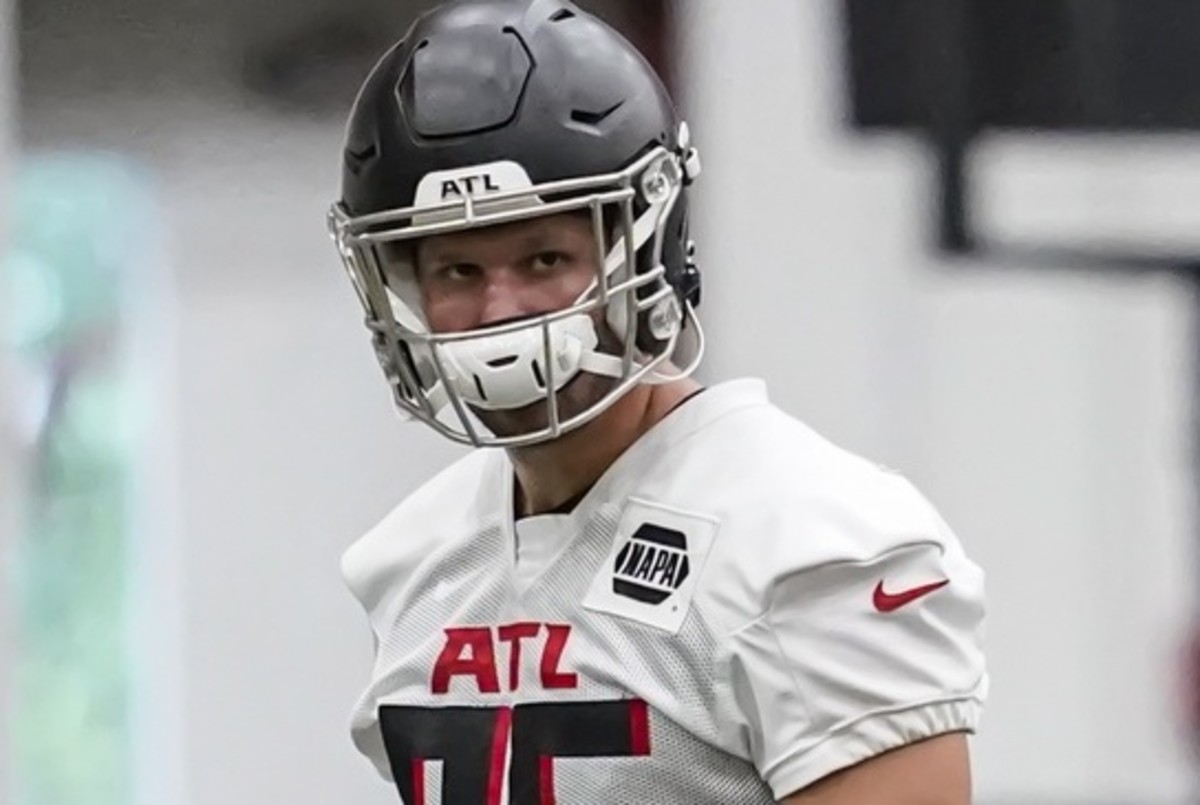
(785, 500)
(448, 508)
(849, 616)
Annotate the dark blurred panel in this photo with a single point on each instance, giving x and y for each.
(1040, 64)
(884, 60)
(950, 70)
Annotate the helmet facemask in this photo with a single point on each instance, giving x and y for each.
(561, 369)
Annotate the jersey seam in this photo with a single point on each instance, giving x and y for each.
(838, 731)
(870, 560)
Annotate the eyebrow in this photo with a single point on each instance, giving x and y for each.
(542, 237)
(441, 253)
(561, 234)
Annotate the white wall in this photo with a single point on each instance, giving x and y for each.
(1045, 413)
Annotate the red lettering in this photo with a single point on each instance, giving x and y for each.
(546, 780)
(418, 781)
(498, 755)
(556, 641)
(468, 652)
(513, 634)
(639, 727)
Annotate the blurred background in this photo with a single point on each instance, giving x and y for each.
(957, 237)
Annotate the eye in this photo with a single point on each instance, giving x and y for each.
(455, 272)
(549, 261)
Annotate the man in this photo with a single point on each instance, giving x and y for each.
(653, 593)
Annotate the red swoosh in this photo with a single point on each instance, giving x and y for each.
(889, 602)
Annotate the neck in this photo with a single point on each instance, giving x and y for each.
(552, 473)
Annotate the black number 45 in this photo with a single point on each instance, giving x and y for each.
(472, 743)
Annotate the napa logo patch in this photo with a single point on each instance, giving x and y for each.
(652, 564)
(650, 574)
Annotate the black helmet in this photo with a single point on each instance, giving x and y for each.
(490, 111)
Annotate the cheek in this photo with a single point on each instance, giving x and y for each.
(447, 312)
(574, 283)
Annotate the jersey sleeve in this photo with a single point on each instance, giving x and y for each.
(871, 643)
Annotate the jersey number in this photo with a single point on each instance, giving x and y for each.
(472, 743)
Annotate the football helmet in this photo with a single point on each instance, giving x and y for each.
(494, 111)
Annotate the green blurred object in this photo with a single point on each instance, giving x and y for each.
(75, 233)
(77, 220)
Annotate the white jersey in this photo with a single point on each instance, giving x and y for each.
(736, 609)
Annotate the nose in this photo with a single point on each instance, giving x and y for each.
(503, 299)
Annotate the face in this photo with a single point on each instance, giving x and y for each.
(486, 277)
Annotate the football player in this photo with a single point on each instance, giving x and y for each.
(637, 590)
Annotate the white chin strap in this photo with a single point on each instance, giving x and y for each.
(508, 370)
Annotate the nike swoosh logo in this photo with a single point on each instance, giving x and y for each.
(890, 602)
